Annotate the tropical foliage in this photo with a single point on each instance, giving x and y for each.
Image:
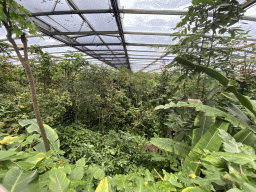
(114, 130)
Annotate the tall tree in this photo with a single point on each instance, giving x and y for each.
(15, 23)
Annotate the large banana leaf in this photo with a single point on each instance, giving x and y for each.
(204, 123)
(51, 134)
(209, 111)
(210, 141)
(246, 136)
(221, 78)
(17, 180)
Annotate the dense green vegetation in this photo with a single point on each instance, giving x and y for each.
(201, 114)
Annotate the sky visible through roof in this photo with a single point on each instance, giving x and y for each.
(109, 46)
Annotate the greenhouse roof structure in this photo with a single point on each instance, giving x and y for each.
(129, 33)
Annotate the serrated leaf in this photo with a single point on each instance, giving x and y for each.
(103, 186)
(58, 180)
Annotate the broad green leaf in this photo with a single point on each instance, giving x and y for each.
(195, 189)
(246, 136)
(80, 162)
(211, 72)
(51, 134)
(210, 141)
(4, 155)
(3, 173)
(33, 126)
(97, 172)
(249, 187)
(204, 122)
(17, 180)
(173, 179)
(209, 111)
(12, 139)
(122, 182)
(238, 158)
(229, 143)
(77, 173)
(242, 99)
(30, 139)
(140, 186)
(148, 176)
(234, 110)
(172, 146)
(234, 190)
(35, 159)
(221, 78)
(58, 180)
(103, 186)
(67, 169)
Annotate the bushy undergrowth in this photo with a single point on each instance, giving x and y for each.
(116, 153)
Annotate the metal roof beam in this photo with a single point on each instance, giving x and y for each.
(248, 4)
(115, 7)
(133, 11)
(74, 7)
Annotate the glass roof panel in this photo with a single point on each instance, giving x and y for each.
(116, 47)
(251, 12)
(109, 39)
(98, 48)
(51, 22)
(102, 21)
(150, 23)
(89, 4)
(247, 25)
(152, 39)
(35, 6)
(155, 4)
(89, 39)
(62, 5)
(70, 22)
(144, 53)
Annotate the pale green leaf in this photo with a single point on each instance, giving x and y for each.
(4, 155)
(172, 146)
(17, 180)
(58, 180)
(103, 186)
(77, 173)
(35, 159)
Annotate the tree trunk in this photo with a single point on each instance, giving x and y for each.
(25, 63)
(32, 87)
